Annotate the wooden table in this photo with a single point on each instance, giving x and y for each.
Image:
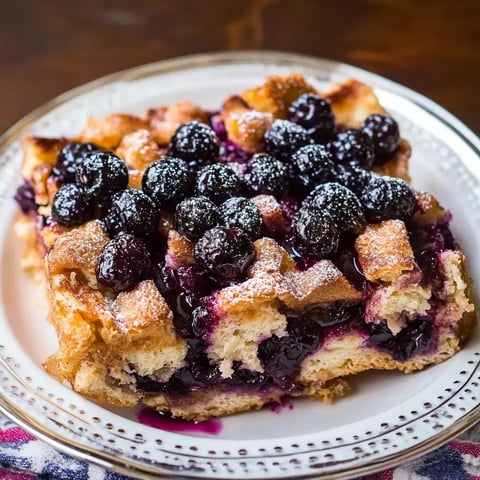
(49, 46)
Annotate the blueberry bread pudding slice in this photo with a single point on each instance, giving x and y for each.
(207, 263)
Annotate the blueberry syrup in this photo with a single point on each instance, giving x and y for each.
(346, 261)
(151, 418)
(427, 243)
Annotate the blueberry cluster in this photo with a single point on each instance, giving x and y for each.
(224, 234)
(89, 177)
(318, 172)
(205, 197)
(329, 174)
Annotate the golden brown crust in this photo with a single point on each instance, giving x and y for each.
(270, 258)
(384, 251)
(277, 93)
(271, 211)
(164, 121)
(138, 150)
(352, 102)
(39, 152)
(429, 211)
(245, 126)
(78, 249)
(179, 250)
(109, 131)
(323, 283)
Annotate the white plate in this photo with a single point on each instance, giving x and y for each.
(387, 419)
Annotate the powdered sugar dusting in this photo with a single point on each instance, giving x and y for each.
(384, 251)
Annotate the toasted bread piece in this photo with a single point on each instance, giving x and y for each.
(164, 121)
(179, 250)
(277, 93)
(352, 102)
(245, 126)
(39, 153)
(109, 131)
(384, 251)
(138, 150)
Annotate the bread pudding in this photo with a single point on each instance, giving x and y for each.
(206, 263)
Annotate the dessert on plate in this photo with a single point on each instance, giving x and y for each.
(210, 262)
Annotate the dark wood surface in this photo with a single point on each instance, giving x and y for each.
(49, 46)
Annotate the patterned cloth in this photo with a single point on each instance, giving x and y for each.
(23, 457)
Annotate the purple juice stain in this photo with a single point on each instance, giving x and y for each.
(151, 418)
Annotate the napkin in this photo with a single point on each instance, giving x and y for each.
(23, 457)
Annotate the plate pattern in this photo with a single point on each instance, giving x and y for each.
(79, 427)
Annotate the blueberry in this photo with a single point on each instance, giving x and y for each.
(267, 175)
(196, 143)
(167, 181)
(194, 216)
(314, 165)
(242, 213)
(282, 357)
(225, 252)
(315, 231)
(133, 212)
(194, 280)
(167, 282)
(381, 336)
(326, 317)
(123, 262)
(385, 197)
(352, 176)
(284, 138)
(244, 378)
(353, 146)
(71, 206)
(218, 182)
(314, 114)
(341, 203)
(25, 198)
(415, 337)
(101, 174)
(202, 322)
(69, 157)
(383, 132)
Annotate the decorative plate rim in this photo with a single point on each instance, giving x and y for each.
(128, 466)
